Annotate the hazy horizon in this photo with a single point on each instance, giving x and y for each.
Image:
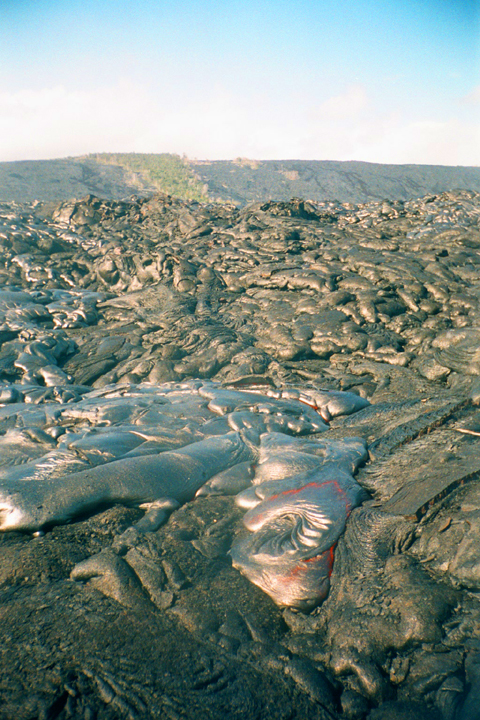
(393, 82)
(235, 159)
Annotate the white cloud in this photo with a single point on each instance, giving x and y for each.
(473, 97)
(54, 122)
(363, 133)
(428, 142)
(352, 102)
(58, 121)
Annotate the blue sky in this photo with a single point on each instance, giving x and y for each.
(380, 81)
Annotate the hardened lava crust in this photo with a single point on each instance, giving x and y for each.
(239, 459)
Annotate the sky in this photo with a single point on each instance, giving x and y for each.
(390, 81)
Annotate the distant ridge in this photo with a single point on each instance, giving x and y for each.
(243, 181)
(120, 175)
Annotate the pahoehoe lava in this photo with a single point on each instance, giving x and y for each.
(239, 459)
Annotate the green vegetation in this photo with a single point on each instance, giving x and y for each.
(165, 172)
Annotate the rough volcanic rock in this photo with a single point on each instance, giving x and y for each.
(379, 299)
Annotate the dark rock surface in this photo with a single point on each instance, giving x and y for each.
(379, 299)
